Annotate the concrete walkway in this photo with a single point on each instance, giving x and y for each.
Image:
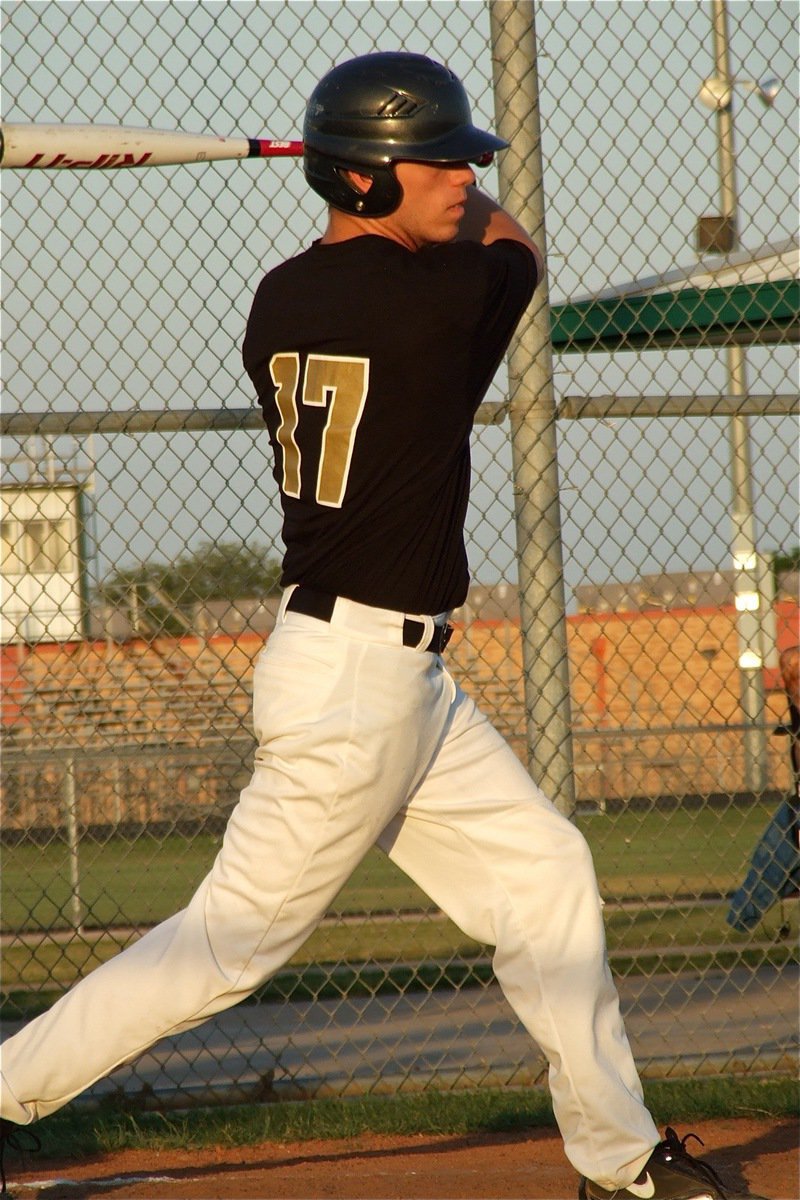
(745, 1020)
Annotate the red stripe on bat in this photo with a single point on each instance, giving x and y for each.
(264, 148)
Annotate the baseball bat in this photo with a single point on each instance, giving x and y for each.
(103, 146)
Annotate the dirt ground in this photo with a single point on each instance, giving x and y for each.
(521, 1166)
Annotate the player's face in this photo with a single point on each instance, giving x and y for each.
(433, 201)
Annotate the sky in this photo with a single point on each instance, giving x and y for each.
(131, 289)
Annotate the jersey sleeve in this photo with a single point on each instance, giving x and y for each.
(512, 276)
(505, 273)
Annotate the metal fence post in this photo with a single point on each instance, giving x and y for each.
(533, 418)
(73, 838)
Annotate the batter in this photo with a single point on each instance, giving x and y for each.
(370, 353)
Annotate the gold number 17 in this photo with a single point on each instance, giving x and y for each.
(338, 384)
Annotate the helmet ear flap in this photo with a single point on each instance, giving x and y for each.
(381, 198)
(327, 176)
(360, 194)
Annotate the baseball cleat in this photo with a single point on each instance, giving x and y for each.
(670, 1173)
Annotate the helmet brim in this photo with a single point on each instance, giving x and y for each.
(465, 144)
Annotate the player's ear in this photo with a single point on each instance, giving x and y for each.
(358, 182)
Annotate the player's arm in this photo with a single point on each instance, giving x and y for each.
(486, 221)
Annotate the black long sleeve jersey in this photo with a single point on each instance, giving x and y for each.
(369, 361)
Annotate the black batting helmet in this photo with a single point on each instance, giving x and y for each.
(369, 112)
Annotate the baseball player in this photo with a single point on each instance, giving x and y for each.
(370, 353)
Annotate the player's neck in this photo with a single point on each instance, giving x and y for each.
(342, 227)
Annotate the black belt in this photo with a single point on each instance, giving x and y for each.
(321, 605)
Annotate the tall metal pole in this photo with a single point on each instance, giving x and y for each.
(533, 418)
(749, 586)
(73, 844)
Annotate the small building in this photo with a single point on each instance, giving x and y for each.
(42, 567)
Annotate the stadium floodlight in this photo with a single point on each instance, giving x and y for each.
(716, 92)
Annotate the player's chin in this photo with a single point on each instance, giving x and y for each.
(443, 230)
(448, 229)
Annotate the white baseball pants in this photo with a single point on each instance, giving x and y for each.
(363, 740)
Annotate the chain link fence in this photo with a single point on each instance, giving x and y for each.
(632, 532)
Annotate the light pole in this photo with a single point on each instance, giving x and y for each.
(751, 571)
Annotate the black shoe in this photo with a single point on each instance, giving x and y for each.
(14, 1137)
(670, 1173)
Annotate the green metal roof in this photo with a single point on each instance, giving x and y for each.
(745, 314)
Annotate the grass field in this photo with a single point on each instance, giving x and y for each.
(73, 1133)
(648, 855)
(653, 866)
